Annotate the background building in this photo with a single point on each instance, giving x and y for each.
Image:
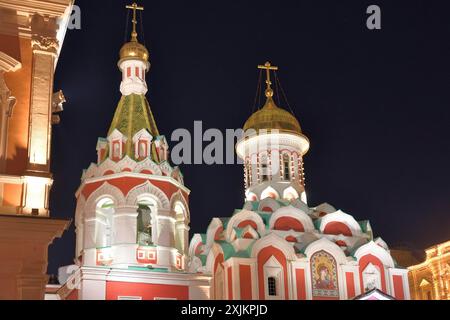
(31, 37)
(430, 280)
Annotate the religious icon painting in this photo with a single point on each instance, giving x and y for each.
(324, 275)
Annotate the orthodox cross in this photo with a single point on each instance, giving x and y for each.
(134, 7)
(268, 67)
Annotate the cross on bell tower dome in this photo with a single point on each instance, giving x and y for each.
(273, 150)
(134, 61)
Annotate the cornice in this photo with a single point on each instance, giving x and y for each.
(132, 175)
(52, 8)
(21, 226)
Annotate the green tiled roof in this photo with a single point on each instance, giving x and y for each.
(255, 205)
(363, 224)
(283, 203)
(238, 232)
(224, 222)
(242, 254)
(132, 115)
(266, 218)
(203, 258)
(352, 250)
(317, 223)
(227, 248)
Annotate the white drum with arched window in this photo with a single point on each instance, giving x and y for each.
(104, 212)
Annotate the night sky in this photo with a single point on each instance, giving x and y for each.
(374, 104)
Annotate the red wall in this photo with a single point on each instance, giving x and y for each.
(263, 256)
(337, 228)
(246, 282)
(230, 283)
(245, 223)
(125, 184)
(301, 287)
(350, 279)
(146, 291)
(73, 295)
(288, 223)
(398, 287)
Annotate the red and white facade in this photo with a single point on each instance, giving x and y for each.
(277, 247)
(132, 221)
(132, 215)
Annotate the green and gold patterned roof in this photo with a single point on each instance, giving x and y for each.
(132, 115)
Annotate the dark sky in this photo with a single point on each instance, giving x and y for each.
(375, 104)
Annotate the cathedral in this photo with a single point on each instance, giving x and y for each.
(132, 218)
(276, 247)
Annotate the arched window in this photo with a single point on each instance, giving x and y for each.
(264, 170)
(248, 173)
(274, 280)
(371, 277)
(272, 286)
(286, 167)
(116, 151)
(103, 223)
(142, 149)
(146, 211)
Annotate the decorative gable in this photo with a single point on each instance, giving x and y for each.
(142, 144)
(102, 149)
(162, 148)
(116, 145)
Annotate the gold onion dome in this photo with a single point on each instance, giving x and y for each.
(271, 117)
(134, 50)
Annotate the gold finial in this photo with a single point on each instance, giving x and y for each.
(134, 7)
(268, 67)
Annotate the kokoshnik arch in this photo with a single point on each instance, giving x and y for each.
(132, 218)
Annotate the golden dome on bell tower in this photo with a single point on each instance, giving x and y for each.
(134, 50)
(271, 117)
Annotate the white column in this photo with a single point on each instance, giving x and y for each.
(124, 240)
(125, 225)
(182, 231)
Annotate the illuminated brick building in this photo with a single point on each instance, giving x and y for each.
(31, 37)
(430, 280)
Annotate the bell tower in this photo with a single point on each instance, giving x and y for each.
(273, 150)
(132, 217)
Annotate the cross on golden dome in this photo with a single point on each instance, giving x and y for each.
(133, 50)
(134, 7)
(268, 67)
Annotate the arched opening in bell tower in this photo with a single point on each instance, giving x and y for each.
(180, 228)
(104, 213)
(146, 226)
